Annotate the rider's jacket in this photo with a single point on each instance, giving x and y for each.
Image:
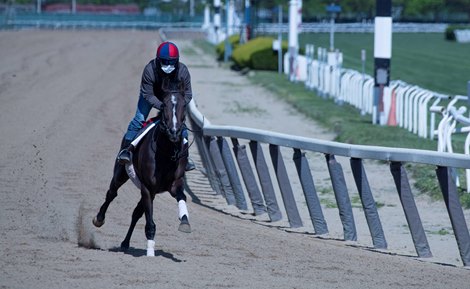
(153, 79)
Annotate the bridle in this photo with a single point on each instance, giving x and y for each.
(163, 126)
(164, 121)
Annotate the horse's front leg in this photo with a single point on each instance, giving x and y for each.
(136, 215)
(147, 202)
(119, 178)
(177, 191)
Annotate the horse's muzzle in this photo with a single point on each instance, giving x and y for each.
(174, 136)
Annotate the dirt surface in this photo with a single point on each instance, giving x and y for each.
(66, 100)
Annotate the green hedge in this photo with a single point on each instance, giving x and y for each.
(220, 48)
(258, 54)
(450, 35)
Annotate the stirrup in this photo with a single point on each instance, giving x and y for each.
(124, 157)
(190, 165)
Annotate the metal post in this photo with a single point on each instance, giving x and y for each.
(284, 185)
(454, 208)
(249, 178)
(332, 32)
(279, 39)
(382, 55)
(265, 182)
(226, 187)
(363, 60)
(248, 20)
(342, 198)
(203, 150)
(207, 14)
(411, 212)
(368, 204)
(240, 201)
(333, 10)
(216, 20)
(311, 197)
(293, 39)
(228, 47)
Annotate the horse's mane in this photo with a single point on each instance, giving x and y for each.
(173, 85)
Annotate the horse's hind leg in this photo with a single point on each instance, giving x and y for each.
(136, 215)
(147, 204)
(119, 178)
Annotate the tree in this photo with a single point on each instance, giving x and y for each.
(363, 8)
(423, 7)
(459, 6)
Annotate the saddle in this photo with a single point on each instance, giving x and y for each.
(147, 125)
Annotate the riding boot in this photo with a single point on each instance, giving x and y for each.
(125, 155)
(190, 165)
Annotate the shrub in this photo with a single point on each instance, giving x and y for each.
(450, 34)
(257, 54)
(234, 40)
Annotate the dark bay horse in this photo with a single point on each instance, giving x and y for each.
(159, 160)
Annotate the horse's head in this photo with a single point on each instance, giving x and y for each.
(173, 113)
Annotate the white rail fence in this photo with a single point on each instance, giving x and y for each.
(423, 112)
(265, 181)
(358, 27)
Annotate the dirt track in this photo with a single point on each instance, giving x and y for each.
(66, 99)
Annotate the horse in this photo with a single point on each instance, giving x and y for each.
(159, 160)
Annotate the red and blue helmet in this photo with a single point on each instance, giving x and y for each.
(168, 54)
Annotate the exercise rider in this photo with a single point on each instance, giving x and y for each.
(165, 68)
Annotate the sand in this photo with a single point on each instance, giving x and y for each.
(66, 100)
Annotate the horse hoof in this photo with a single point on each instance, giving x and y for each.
(98, 223)
(185, 228)
(124, 246)
(184, 225)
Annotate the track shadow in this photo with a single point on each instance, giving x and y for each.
(141, 252)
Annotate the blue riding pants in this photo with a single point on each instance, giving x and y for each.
(141, 114)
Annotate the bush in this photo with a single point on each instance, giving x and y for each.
(450, 34)
(220, 48)
(258, 54)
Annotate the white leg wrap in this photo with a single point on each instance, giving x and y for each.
(150, 248)
(182, 209)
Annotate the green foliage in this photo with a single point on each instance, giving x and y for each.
(450, 31)
(427, 181)
(234, 41)
(257, 54)
(421, 7)
(465, 199)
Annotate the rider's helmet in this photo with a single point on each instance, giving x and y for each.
(168, 56)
